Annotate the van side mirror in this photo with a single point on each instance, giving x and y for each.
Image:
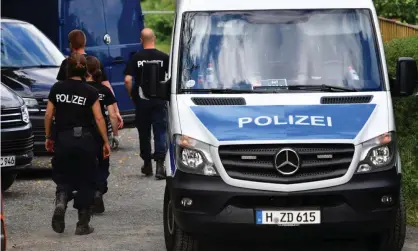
(151, 84)
(406, 77)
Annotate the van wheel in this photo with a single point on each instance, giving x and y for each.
(7, 181)
(175, 238)
(394, 238)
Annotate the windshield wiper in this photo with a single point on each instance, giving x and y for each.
(330, 88)
(218, 91)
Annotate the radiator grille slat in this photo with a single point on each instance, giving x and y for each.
(11, 117)
(257, 162)
(16, 146)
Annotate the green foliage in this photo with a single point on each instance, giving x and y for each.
(405, 10)
(403, 47)
(162, 24)
(406, 116)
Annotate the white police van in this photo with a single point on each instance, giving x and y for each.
(281, 123)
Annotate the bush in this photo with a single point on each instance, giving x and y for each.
(403, 47)
(406, 117)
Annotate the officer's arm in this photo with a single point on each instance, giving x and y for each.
(50, 110)
(108, 85)
(113, 119)
(128, 84)
(98, 116)
(115, 105)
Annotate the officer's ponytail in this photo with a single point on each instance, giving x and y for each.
(93, 69)
(77, 66)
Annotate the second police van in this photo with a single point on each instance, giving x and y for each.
(281, 123)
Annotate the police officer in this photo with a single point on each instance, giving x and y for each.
(149, 112)
(107, 99)
(77, 40)
(76, 108)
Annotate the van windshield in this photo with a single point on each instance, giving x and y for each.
(272, 51)
(24, 46)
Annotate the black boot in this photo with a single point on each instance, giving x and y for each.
(98, 206)
(147, 168)
(83, 227)
(58, 219)
(160, 170)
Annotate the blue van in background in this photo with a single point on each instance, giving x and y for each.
(112, 28)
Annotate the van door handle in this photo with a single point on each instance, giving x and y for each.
(118, 60)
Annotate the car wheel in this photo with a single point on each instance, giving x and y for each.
(7, 181)
(175, 238)
(394, 238)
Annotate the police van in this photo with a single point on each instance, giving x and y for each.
(281, 123)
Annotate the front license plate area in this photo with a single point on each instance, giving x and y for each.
(288, 217)
(6, 161)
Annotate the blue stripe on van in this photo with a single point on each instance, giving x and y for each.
(284, 122)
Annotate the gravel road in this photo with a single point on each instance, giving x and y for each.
(133, 217)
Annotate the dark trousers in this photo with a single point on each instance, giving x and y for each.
(103, 169)
(74, 167)
(152, 114)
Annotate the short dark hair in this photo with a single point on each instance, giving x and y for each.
(93, 68)
(77, 65)
(77, 39)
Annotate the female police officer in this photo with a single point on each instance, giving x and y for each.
(76, 107)
(107, 101)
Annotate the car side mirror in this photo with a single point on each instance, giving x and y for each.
(406, 77)
(151, 83)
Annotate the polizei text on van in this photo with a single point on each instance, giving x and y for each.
(303, 120)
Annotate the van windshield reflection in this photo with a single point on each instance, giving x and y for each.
(267, 51)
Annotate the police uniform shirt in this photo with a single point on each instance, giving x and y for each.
(135, 65)
(73, 100)
(62, 73)
(106, 99)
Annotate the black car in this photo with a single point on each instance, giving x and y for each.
(29, 65)
(16, 137)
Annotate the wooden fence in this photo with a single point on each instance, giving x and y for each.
(393, 29)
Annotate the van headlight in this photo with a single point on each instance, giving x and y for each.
(193, 156)
(25, 114)
(378, 153)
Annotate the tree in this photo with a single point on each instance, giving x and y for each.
(404, 10)
(162, 24)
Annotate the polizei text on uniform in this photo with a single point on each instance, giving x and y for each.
(71, 99)
(303, 120)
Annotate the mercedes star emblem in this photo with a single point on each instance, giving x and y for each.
(287, 161)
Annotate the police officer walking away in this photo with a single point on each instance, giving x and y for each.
(77, 40)
(77, 112)
(149, 112)
(107, 99)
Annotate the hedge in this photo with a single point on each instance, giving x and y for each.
(406, 116)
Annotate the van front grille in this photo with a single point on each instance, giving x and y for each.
(258, 162)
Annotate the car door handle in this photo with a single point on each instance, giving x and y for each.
(118, 60)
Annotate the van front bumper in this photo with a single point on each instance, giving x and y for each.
(17, 142)
(218, 209)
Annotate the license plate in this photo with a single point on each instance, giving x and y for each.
(7, 161)
(288, 218)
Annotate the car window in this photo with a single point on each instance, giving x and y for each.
(23, 45)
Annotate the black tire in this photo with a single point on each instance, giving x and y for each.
(394, 238)
(7, 181)
(175, 238)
